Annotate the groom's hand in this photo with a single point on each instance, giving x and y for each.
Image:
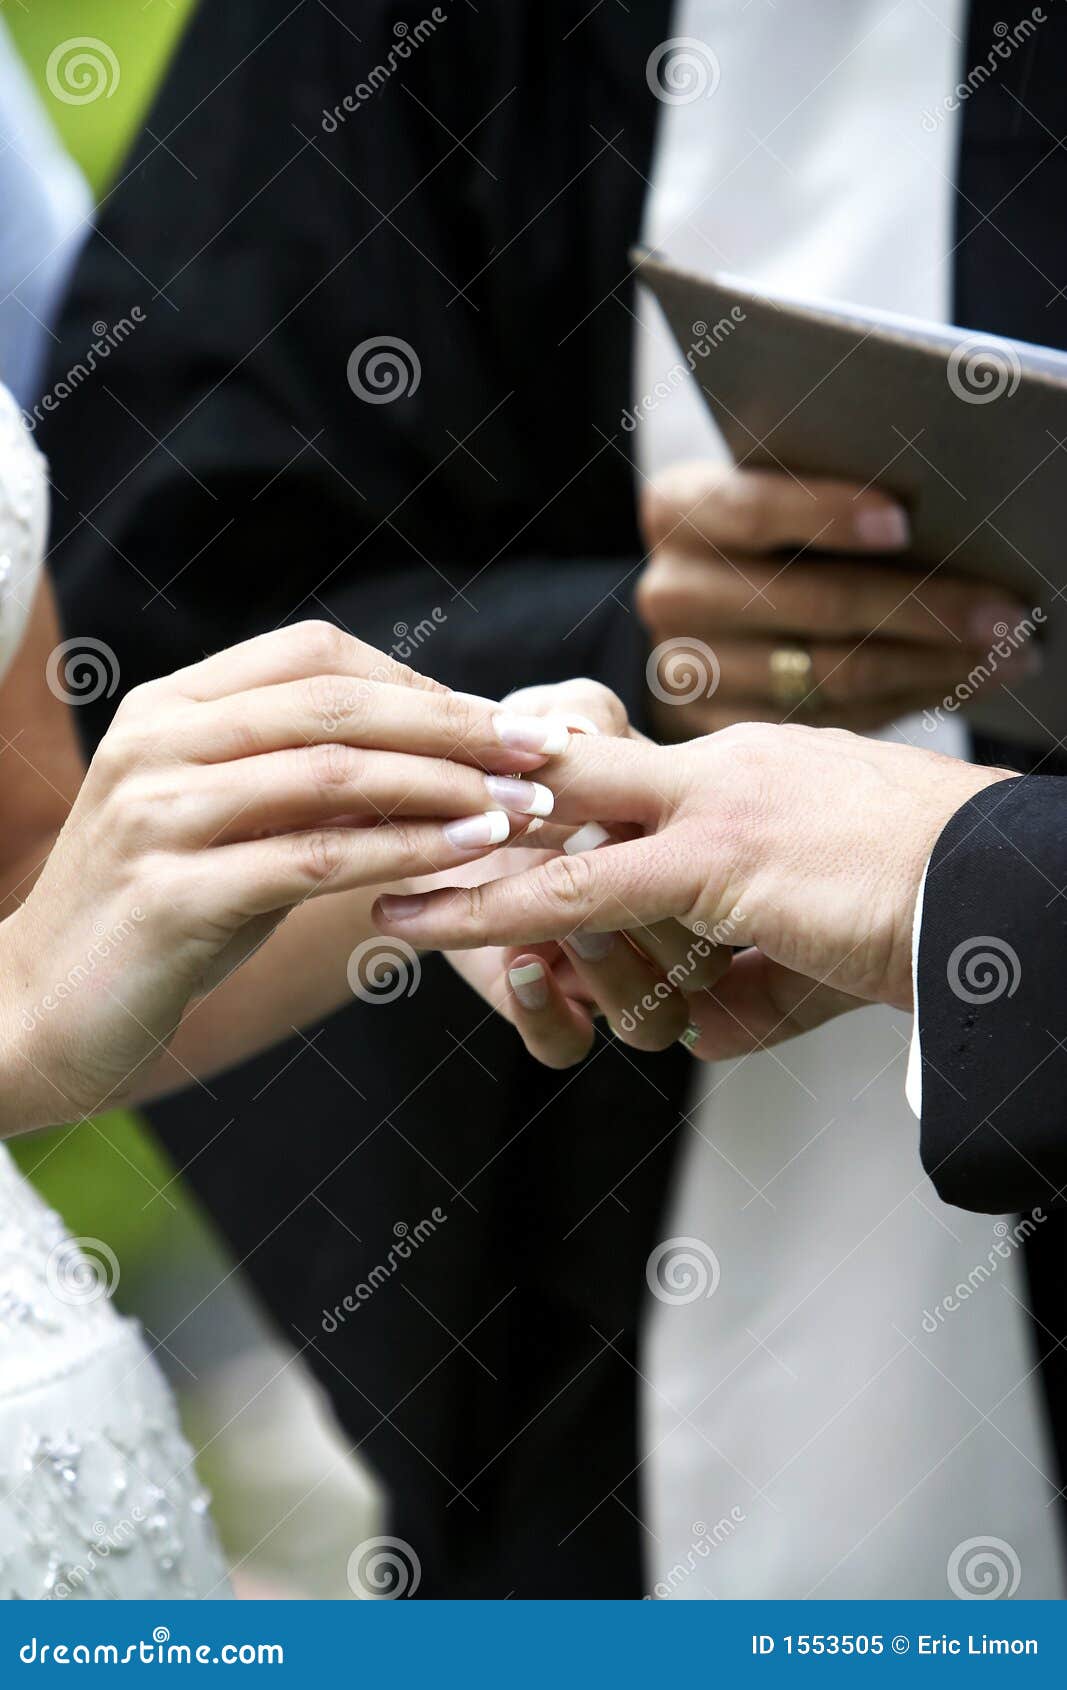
(807, 844)
(739, 575)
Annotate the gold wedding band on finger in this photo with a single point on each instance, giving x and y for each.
(792, 677)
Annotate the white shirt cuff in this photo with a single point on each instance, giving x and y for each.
(913, 1083)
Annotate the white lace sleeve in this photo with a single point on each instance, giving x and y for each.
(23, 525)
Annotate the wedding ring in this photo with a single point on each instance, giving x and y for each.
(792, 677)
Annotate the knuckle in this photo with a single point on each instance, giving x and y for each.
(476, 916)
(333, 766)
(410, 845)
(599, 703)
(321, 643)
(657, 512)
(394, 673)
(337, 701)
(738, 509)
(317, 854)
(135, 704)
(141, 807)
(649, 592)
(456, 717)
(118, 752)
(568, 880)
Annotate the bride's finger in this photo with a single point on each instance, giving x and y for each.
(287, 790)
(587, 706)
(253, 877)
(556, 1029)
(340, 709)
(290, 654)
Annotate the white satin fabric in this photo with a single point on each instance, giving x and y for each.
(835, 1419)
(98, 1494)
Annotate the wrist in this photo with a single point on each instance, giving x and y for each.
(24, 1086)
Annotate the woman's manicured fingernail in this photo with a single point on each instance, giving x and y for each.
(690, 1037)
(474, 832)
(993, 621)
(885, 528)
(401, 909)
(587, 838)
(544, 734)
(592, 947)
(524, 797)
(529, 985)
(581, 725)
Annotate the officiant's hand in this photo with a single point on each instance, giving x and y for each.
(807, 844)
(300, 763)
(750, 623)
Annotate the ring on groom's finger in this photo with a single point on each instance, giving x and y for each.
(793, 678)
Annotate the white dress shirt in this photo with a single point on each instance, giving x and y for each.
(821, 1424)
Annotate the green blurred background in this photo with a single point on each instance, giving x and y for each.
(141, 33)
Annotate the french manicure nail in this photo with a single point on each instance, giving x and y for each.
(529, 985)
(473, 832)
(993, 621)
(592, 947)
(524, 797)
(542, 734)
(885, 528)
(395, 908)
(587, 838)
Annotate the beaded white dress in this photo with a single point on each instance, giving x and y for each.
(98, 1493)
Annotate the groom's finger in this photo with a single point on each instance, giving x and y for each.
(291, 654)
(610, 781)
(617, 887)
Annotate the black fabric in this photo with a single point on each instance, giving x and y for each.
(992, 1020)
(993, 1015)
(477, 205)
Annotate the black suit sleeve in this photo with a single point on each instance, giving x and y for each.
(992, 1001)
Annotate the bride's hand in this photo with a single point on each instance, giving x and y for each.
(807, 844)
(645, 984)
(298, 763)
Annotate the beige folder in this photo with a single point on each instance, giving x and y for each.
(968, 431)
